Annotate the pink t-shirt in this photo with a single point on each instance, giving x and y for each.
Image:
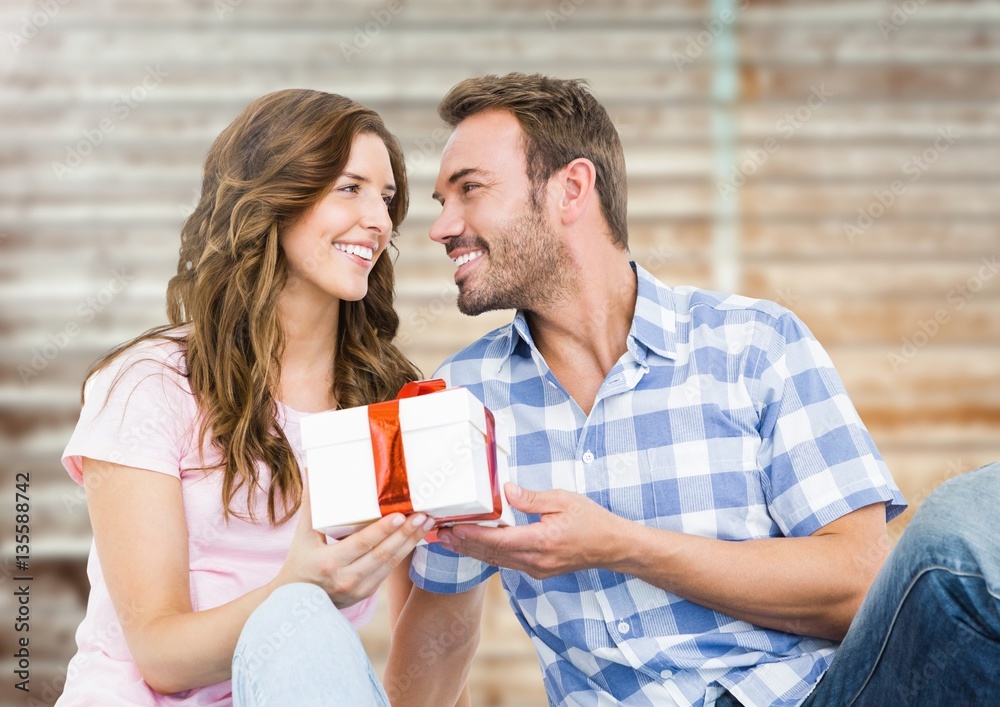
(150, 422)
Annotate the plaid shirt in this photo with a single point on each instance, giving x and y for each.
(725, 419)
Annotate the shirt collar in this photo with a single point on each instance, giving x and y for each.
(519, 331)
(654, 323)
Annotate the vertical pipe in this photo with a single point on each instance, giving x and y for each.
(725, 97)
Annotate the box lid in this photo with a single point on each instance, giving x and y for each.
(334, 427)
(442, 408)
(421, 412)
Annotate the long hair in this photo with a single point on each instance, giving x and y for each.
(266, 170)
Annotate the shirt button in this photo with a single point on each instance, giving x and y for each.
(624, 627)
(666, 674)
(588, 457)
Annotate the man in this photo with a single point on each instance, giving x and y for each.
(700, 510)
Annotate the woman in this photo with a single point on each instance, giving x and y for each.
(189, 444)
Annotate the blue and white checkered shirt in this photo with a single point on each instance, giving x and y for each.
(725, 419)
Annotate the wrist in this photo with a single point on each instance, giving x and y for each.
(617, 546)
(284, 576)
(269, 588)
(640, 550)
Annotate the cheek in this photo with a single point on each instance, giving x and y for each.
(383, 246)
(304, 256)
(296, 243)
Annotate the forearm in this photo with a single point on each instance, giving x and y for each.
(808, 586)
(433, 644)
(184, 650)
(174, 647)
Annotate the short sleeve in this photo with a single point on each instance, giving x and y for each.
(819, 460)
(137, 411)
(436, 569)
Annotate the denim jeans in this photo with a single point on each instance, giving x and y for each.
(298, 649)
(928, 632)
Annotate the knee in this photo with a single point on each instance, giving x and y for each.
(298, 595)
(958, 516)
(293, 609)
(981, 482)
(968, 497)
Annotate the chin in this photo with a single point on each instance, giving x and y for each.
(349, 291)
(354, 295)
(471, 305)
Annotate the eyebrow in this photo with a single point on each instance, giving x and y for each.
(455, 176)
(365, 180)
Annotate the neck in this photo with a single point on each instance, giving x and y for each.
(592, 323)
(310, 327)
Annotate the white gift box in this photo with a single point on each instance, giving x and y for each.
(444, 439)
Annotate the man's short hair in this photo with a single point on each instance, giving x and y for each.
(561, 121)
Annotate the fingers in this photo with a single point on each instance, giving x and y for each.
(373, 566)
(366, 540)
(395, 548)
(529, 501)
(490, 545)
(513, 492)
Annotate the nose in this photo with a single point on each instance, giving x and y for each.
(447, 225)
(376, 217)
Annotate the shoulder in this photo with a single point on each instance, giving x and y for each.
(765, 323)
(707, 306)
(467, 366)
(160, 359)
(698, 313)
(756, 332)
(138, 409)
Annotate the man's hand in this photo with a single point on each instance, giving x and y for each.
(574, 533)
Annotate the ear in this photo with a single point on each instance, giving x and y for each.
(577, 189)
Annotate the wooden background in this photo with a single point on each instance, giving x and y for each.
(929, 390)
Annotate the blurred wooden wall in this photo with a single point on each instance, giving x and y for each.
(883, 84)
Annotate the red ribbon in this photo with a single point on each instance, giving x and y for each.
(415, 388)
(391, 478)
(390, 464)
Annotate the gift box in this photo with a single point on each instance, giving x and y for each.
(432, 450)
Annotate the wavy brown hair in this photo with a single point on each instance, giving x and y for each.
(265, 171)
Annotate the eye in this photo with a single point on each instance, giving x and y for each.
(350, 188)
(388, 198)
(469, 186)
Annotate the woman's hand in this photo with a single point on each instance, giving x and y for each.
(352, 569)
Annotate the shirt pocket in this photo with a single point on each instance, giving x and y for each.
(714, 496)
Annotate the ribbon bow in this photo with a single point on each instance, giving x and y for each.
(391, 478)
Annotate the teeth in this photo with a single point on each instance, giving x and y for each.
(463, 259)
(357, 250)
